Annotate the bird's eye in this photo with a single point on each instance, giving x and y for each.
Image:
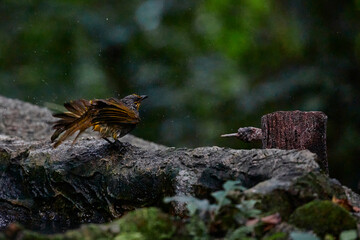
(137, 105)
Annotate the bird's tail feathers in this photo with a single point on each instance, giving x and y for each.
(77, 119)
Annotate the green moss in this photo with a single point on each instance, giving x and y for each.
(150, 222)
(301, 191)
(278, 201)
(329, 237)
(315, 185)
(5, 157)
(90, 231)
(145, 223)
(323, 217)
(277, 236)
(130, 236)
(34, 236)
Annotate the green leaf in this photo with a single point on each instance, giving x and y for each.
(221, 200)
(249, 203)
(192, 204)
(231, 185)
(303, 236)
(203, 204)
(239, 233)
(348, 235)
(183, 199)
(192, 208)
(253, 213)
(198, 229)
(247, 209)
(220, 197)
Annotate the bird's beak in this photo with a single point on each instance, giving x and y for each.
(143, 97)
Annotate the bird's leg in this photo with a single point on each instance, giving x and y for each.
(116, 143)
(119, 145)
(107, 140)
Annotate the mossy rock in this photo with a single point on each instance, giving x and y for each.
(323, 217)
(315, 185)
(145, 223)
(279, 201)
(285, 197)
(151, 223)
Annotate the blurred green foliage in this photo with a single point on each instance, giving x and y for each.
(209, 67)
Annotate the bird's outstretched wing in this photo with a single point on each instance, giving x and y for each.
(111, 111)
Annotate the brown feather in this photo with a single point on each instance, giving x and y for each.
(110, 111)
(70, 122)
(110, 117)
(80, 125)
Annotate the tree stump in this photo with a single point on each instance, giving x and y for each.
(296, 130)
(290, 130)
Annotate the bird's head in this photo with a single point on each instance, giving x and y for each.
(134, 99)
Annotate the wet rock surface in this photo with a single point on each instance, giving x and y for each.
(51, 190)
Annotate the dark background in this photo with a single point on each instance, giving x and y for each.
(208, 67)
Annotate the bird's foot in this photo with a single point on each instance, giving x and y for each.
(116, 144)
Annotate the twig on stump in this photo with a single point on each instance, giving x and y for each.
(290, 130)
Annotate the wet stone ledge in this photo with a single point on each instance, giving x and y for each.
(52, 190)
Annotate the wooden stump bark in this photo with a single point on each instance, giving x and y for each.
(290, 130)
(296, 130)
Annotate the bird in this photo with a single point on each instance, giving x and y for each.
(111, 117)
